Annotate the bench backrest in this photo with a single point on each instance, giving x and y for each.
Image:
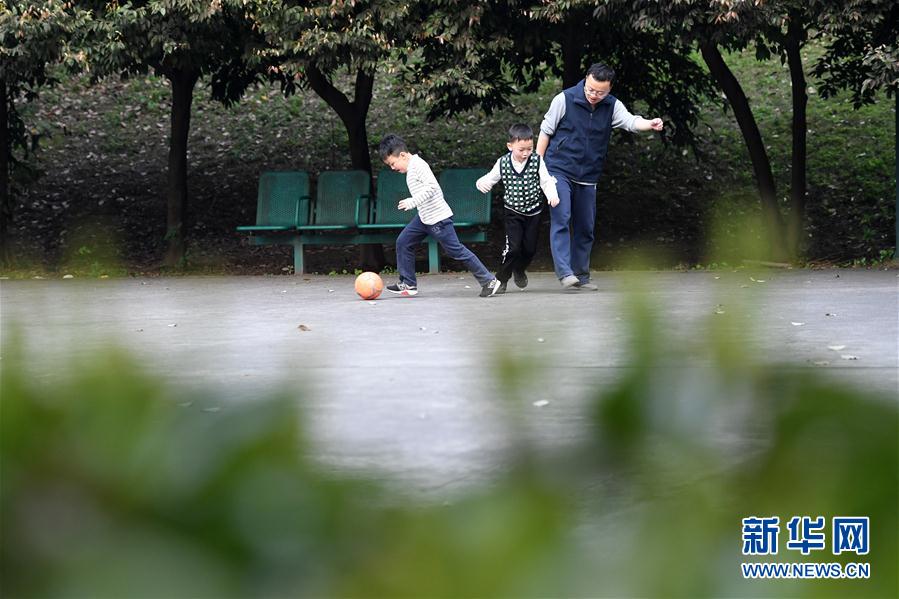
(336, 195)
(468, 204)
(278, 199)
(391, 189)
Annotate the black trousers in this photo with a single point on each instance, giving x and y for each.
(521, 243)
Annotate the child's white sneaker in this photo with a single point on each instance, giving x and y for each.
(569, 281)
(490, 288)
(402, 288)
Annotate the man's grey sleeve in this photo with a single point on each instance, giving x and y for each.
(553, 115)
(622, 118)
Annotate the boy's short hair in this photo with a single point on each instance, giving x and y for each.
(520, 131)
(391, 145)
(601, 72)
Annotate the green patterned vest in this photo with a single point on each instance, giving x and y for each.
(522, 190)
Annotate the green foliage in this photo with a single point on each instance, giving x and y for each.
(862, 52)
(34, 38)
(468, 55)
(186, 36)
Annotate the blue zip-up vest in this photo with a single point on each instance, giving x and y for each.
(578, 148)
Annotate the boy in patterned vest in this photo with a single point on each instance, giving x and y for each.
(525, 180)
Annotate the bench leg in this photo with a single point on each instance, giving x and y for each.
(298, 256)
(433, 257)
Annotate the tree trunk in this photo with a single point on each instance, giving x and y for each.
(183, 82)
(571, 54)
(798, 182)
(353, 115)
(5, 201)
(760, 163)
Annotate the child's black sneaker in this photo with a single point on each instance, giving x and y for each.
(521, 279)
(490, 288)
(402, 288)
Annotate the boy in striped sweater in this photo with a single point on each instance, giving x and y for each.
(434, 218)
(525, 182)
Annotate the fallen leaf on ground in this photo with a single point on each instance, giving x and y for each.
(797, 324)
(303, 327)
(836, 347)
(848, 357)
(540, 403)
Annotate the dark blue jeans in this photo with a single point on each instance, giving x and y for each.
(571, 228)
(445, 234)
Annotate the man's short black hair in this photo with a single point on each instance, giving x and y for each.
(520, 131)
(391, 145)
(601, 72)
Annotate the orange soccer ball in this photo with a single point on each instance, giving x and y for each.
(369, 285)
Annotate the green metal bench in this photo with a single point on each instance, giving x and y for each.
(471, 208)
(281, 199)
(384, 212)
(340, 198)
(343, 212)
(282, 204)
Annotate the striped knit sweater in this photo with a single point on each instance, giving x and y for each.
(426, 193)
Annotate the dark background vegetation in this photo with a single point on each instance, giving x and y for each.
(98, 203)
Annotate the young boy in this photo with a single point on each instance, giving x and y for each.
(434, 218)
(524, 175)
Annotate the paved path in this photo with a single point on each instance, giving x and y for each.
(408, 386)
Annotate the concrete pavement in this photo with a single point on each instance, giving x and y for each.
(408, 386)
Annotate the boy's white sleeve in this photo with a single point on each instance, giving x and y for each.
(547, 183)
(553, 115)
(486, 183)
(623, 119)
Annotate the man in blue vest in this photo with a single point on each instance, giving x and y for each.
(574, 140)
